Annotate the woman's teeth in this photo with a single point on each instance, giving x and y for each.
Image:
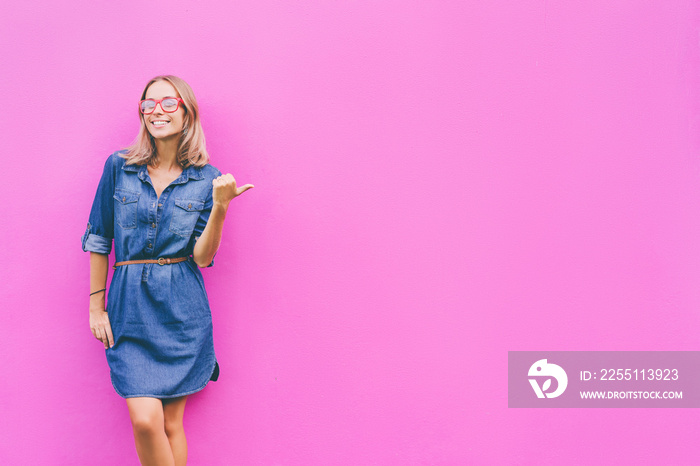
(159, 123)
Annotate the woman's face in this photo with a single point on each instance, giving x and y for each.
(173, 121)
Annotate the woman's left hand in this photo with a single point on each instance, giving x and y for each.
(225, 189)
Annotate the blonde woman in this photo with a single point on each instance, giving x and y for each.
(164, 206)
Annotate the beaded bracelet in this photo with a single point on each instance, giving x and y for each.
(103, 289)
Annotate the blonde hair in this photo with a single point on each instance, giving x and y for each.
(192, 148)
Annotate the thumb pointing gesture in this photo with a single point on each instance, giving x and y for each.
(225, 189)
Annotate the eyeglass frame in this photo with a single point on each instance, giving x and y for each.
(159, 102)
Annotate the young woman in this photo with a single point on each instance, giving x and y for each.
(164, 206)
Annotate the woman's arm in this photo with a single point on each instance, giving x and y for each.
(99, 264)
(99, 321)
(207, 244)
(224, 189)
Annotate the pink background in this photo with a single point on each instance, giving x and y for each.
(436, 183)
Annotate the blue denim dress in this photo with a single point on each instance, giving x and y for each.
(159, 314)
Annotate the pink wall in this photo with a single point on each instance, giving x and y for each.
(436, 183)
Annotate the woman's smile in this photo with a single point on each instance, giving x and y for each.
(159, 123)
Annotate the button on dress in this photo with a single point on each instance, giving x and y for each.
(159, 314)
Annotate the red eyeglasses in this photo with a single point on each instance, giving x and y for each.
(168, 104)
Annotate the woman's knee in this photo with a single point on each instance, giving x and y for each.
(147, 424)
(173, 426)
(146, 416)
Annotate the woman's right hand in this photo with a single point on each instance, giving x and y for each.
(101, 329)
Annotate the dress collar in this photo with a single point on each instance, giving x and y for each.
(191, 172)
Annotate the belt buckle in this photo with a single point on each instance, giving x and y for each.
(161, 261)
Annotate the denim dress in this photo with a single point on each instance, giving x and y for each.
(159, 314)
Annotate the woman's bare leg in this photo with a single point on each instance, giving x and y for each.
(148, 422)
(174, 410)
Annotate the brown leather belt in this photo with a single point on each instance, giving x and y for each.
(159, 261)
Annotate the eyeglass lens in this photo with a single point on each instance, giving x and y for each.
(168, 105)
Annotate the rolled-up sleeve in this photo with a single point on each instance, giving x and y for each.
(204, 218)
(100, 228)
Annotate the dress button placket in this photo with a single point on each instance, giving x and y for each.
(149, 235)
(163, 197)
